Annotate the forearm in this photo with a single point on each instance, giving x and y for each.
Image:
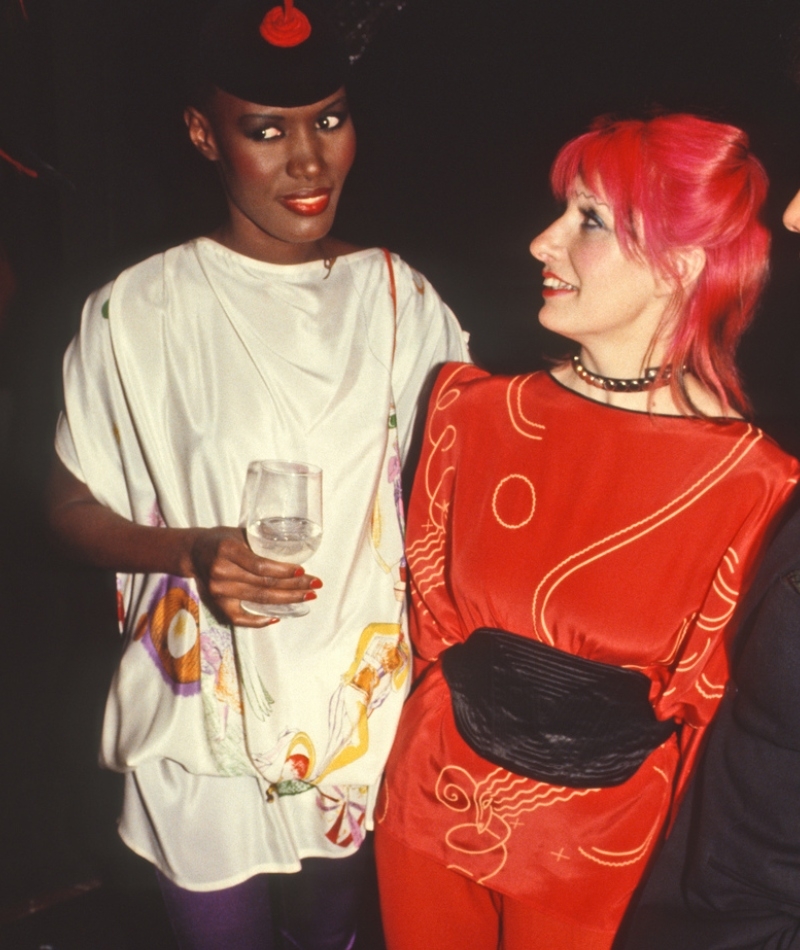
(88, 531)
(96, 535)
(226, 570)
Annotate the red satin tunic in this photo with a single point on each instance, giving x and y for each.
(620, 536)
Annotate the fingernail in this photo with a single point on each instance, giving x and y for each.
(271, 621)
(309, 595)
(316, 583)
(299, 572)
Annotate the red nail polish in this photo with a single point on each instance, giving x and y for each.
(309, 595)
(299, 572)
(316, 583)
(272, 620)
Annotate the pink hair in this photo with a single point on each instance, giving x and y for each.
(679, 181)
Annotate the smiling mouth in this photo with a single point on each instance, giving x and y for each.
(555, 284)
(308, 205)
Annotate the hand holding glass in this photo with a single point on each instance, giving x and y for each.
(282, 513)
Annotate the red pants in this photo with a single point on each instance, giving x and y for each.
(424, 905)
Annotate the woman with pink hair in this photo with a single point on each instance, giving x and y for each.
(578, 541)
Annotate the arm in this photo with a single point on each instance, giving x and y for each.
(428, 335)
(693, 683)
(727, 877)
(434, 619)
(100, 467)
(665, 917)
(747, 853)
(225, 568)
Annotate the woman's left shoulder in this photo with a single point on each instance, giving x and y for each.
(408, 280)
(750, 453)
(772, 454)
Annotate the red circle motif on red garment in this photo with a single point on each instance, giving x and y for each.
(285, 26)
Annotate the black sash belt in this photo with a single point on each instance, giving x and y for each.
(549, 715)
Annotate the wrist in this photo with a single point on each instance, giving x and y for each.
(186, 552)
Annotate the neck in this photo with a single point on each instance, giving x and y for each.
(616, 360)
(617, 365)
(651, 378)
(269, 250)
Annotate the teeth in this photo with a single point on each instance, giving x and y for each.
(555, 284)
(309, 201)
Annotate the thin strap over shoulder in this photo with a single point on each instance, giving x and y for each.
(392, 284)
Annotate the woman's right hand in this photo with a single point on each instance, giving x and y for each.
(219, 559)
(228, 572)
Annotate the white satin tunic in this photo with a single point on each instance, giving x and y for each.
(247, 750)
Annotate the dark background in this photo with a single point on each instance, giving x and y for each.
(460, 107)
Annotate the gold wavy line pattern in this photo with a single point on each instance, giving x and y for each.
(620, 862)
(690, 662)
(622, 859)
(682, 634)
(494, 802)
(426, 555)
(723, 588)
(731, 555)
(458, 869)
(515, 413)
(647, 525)
(428, 572)
(434, 568)
(715, 690)
(426, 544)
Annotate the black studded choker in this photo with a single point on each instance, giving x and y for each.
(653, 377)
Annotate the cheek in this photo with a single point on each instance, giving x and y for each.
(342, 155)
(611, 274)
(249, 169)
(593, 265)
(255, 172)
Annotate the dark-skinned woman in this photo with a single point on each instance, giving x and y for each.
(252, 749)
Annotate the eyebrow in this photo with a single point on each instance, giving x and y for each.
(280, 116)
(591, 197)
(338, 101)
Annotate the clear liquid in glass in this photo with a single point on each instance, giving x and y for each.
(293, 540)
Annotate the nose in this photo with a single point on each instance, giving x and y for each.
(545, 246)
(305, 159)
(791, 216)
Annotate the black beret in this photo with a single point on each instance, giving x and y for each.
(262, 51)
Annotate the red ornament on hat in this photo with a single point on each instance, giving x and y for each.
(285, 25)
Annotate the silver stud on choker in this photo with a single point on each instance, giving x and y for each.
(650, 380)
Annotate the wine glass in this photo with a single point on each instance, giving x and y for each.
(282, 514)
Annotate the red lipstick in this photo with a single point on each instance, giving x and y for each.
(560, 290)
(308, 203)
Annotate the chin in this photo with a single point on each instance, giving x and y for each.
(307, 230)
(551, 322)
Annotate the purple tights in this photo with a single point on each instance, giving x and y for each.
(315, 909)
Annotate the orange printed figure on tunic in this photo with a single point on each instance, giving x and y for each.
(380, 667)
(170, 631)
